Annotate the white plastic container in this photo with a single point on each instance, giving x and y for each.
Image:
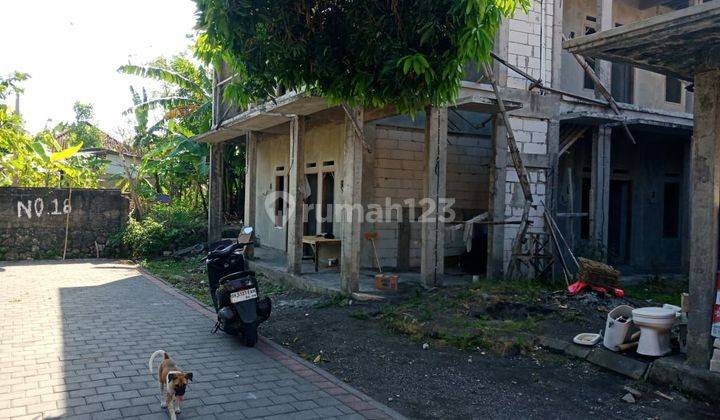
(617, 327)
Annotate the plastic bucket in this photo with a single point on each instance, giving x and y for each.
(617, 327)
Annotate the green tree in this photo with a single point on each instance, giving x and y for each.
(409, 54)
(170, 156)
(38, 161)
(186, 95)
(81, 130)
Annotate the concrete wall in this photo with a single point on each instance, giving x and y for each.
(32, 221)
(398, 174)
(323, 142)
(648, 87)
(655, 160)
(530, 43)
(531, 136)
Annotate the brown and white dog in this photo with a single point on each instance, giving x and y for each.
(172, 378)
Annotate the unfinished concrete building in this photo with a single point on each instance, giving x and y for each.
(684, 44)
(613, 199)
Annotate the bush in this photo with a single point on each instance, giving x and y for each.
(164, 228)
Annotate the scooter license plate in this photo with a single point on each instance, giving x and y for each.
(243, 295)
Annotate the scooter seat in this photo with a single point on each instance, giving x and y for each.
(223, 252)
(236, 276)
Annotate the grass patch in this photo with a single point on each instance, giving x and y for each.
(658, 290)
(190, 276)
(467, 318)
(329, 302)
(360, 314)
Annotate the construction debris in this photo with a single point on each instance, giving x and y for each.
(597, 273)
(628, 398)
(635, 393)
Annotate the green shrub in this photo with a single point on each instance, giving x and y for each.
(164, 228)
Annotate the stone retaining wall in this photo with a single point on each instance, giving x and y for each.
(32, 221)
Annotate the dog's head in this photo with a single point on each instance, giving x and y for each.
(178, 382)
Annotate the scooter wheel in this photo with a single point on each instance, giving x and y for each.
(250, 334)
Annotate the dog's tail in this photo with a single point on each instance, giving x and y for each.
(152, 358)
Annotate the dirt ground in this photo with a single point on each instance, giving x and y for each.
(359, 345)
(478, 362)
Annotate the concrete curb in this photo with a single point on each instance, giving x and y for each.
(599, 356)
(324, 380)
(697, 382)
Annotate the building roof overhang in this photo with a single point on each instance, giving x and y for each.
(280, 110)
(678, 43)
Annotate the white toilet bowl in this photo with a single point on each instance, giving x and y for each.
(654, 324)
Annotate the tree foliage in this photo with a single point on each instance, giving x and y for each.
(38, 161)
(186, 94)
(407, 53)
(81, 130)
(169, 155)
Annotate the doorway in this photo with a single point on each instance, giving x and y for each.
(620, 222)
(310, 225)
(328, 201)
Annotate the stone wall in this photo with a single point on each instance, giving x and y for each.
(32, 221)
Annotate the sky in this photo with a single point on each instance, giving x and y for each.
(72, 48)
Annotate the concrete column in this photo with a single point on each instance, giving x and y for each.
(600, 186)
(215, 193)
(432, 253)
(296, 179)
(352, 202)
(500, 46)
(553, 175)
(685, 206)
(705, 201)
(250, 178)
(557, 49)
(605, 22)
(496, 205)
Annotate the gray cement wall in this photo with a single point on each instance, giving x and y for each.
(648, 87)
(32, 221)
(656, 159)
(322, 145)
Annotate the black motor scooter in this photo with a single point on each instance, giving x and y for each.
(234, 290)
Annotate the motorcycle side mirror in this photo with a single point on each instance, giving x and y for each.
(247, 230)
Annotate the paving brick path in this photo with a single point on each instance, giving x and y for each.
(75, 338)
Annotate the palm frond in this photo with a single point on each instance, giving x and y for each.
(163, 75)
(168, 102)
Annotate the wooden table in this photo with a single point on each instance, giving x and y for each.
(315, 242)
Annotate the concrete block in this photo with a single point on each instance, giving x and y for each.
(581, 352)
(715, 366)
(535, 125)
(534, 148)
(522, 136)
(553, 343)
(618, 363)
(694, 381)
(519, 37)
(516, 24)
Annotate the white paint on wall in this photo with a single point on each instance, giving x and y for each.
(37, 208)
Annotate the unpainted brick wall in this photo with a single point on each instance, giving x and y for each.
(398, 174)
(531, 137)
(524, 46)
